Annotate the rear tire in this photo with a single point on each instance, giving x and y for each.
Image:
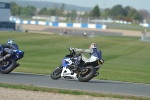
(8, 67)
(88, 75)
(56, 74)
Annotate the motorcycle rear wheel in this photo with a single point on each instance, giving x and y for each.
(56, 74)
(88, 75)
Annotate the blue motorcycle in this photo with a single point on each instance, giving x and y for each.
(87, 70)
(10, 63)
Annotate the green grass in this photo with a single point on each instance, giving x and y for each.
(133, 27)
(72, 92)
(126, 58)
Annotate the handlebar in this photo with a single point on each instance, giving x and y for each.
(72, 51)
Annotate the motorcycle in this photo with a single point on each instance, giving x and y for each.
(9, 64)
(85, 72)
(84, 34)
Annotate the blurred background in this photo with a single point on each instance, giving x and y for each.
(118, 16)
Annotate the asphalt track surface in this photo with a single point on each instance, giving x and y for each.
(102, 86)
(78, 32)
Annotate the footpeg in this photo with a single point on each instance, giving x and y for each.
(96, 74)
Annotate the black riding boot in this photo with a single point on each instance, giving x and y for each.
(77, 62)
(76, 65)
(17, 64)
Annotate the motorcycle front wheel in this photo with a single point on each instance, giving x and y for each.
(87, 75)
(7, 66)
(56, 74)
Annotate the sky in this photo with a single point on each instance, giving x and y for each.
(137, 4)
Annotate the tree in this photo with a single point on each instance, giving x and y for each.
(86, 14)
(106, 12)
(73, 14)
(95, 12)
(144, 13)
(117, 10)
(138, 17)
(29, 11)
(43, 11)
(134, 15)
(14, 8)
(53, 12)
(127, 9)
(62, 9)
(56, 10)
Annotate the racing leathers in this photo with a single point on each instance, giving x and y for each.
(93, 52)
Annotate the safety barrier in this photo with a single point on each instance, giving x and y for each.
(145, 25)
(6, 29)
(57, 24)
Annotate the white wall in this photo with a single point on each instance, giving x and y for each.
(4, 15)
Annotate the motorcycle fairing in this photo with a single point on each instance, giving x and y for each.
(18, 54)
(66, 61)
(66, 71)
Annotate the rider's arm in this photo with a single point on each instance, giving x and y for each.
(9, 46)
(83, 50)
(6, 46)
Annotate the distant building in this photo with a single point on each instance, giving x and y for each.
(46, 18)
(4, 11)
(4, 16)
(78, 12)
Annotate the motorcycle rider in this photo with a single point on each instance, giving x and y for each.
(93, 51)
(11, 44)
(84, 33)
(8, 49)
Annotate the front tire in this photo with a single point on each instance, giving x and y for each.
(88, 75)
(8, 66)
(56, 74)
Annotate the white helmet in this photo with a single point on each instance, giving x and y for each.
(11, 41)
(93, 45)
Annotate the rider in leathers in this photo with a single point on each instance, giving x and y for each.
(8, 50)
(93, 51)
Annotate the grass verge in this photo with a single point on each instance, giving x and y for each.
(72, 92)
